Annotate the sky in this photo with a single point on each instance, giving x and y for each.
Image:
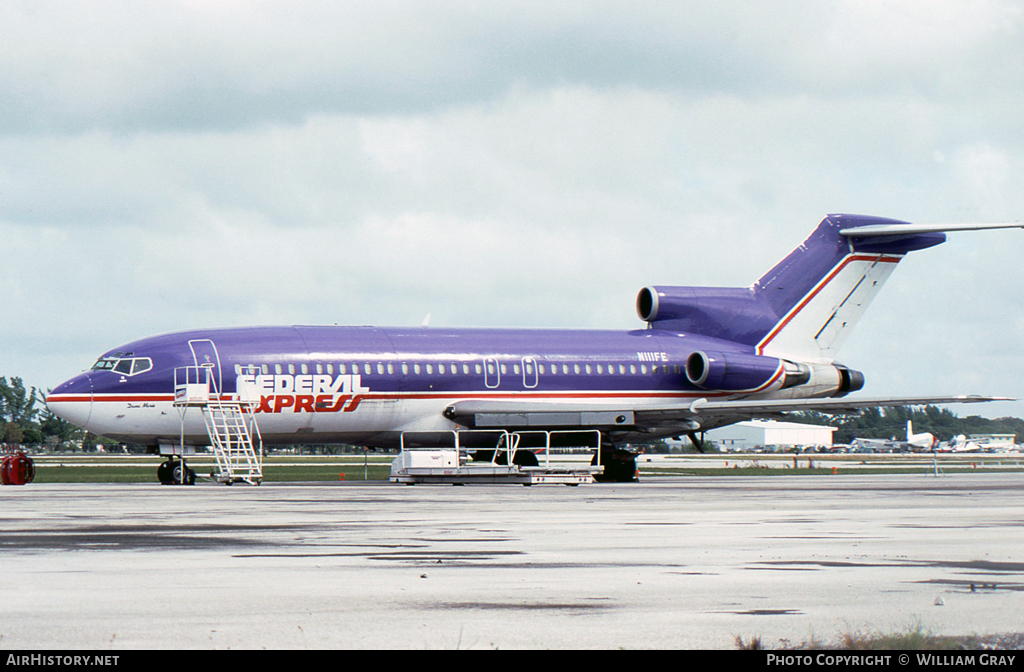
(188, 164)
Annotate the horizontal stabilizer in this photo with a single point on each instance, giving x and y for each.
(909, 228)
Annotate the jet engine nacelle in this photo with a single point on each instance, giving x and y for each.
(736, 372)
(732, 371)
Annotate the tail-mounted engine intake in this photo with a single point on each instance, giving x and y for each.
(736, 372)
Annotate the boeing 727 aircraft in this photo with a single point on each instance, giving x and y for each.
(707, 357)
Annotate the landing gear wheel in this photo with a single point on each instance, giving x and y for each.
(174, 473)
(619, 466)
(165, 472)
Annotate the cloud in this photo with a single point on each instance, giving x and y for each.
(189, 66)
(191, 164)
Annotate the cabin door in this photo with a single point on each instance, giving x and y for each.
(492, 374)
(529, 372)
(204, 353)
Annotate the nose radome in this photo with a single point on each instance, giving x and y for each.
(72, 400)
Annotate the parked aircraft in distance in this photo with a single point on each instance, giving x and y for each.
(707, 357)
(914, 442)
(979, 443)
(959, 444)
(922, 441)
(877, 446)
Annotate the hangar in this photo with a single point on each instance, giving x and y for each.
(751, 434)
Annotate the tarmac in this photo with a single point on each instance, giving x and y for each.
(670, 562)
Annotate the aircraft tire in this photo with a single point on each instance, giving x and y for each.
(619, 466)
(165, 472)
(175, 469)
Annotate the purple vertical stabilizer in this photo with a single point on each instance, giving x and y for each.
(805, 305)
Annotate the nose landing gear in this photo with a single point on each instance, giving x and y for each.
(169, 473)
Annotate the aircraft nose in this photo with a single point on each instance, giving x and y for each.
(72, 400)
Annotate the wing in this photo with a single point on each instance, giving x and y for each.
(666, 419)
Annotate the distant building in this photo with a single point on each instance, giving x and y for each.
(746, 436)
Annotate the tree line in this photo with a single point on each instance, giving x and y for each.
(25, 420)
(891, 422)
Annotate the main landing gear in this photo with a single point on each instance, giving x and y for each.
(619, 466)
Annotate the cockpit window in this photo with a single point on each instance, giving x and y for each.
(104, 364)
(127, 366)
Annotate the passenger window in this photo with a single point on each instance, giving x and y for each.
(622, 368)
(405, 369)
(380, 368)
(430, 369)
(504, 368)
(342, 368)
(277, 369)
(305, 369)
(540, 369)
(465, 369)
(643, 368)
(330, 369)
(416, 369)
(576, 368)
(588, 369)
(367, 368)
(440, 368)
(565, 368)
(391, 368)
(515, 369)
(632, 369)
(291, 369)
(600, 369)
(479, 369)
(490, 369)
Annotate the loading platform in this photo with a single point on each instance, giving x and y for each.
(230, 424)
(424, 460)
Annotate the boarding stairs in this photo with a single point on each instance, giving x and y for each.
(230, 424)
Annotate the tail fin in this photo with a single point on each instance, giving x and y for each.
(822, 288)
(806, 305)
